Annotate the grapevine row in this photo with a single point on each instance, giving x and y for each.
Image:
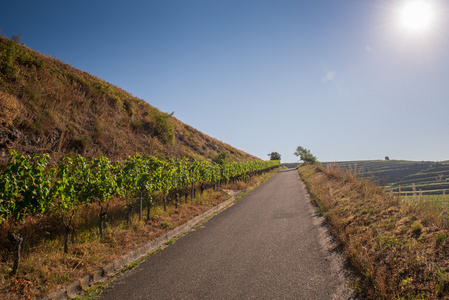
(28, 186)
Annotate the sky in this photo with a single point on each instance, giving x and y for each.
(345, 79)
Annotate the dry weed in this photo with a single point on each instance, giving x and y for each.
(10, 108)
(45, 267)
(397, 248)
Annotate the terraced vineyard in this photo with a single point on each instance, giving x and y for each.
(406, 177)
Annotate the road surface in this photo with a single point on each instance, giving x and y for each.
(269, 245)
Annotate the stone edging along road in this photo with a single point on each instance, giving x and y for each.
(77, 287)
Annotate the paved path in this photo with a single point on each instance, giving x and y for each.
(269, 245)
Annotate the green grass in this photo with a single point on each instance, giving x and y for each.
(44, 266)
(398, 247)
(52, 107)
(401, 176)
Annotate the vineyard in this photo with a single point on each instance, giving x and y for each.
(398, 245)
(30, 187)
(60, 215)
(401, 176)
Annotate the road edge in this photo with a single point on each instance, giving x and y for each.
(338, 263)
(79, 287)
(102, 274)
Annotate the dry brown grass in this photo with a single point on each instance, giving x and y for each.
(66, 111)
(10, 108)
(400, 251)
(44, 266)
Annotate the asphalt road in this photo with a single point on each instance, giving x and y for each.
(269, 245)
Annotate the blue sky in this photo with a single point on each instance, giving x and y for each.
(339, 77)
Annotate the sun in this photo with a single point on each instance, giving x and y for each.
(416, 15)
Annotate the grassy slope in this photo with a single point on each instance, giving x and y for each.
(399, 249)
(431, 180)
(49, 106)
(430, 177)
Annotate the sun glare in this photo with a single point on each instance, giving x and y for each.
(416, 15)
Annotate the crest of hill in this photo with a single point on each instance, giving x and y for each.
(47, 106)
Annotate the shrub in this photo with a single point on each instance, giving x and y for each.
(221, 158)
(163, 128)
(416, 229)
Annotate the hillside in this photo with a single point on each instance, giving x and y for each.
(47, 106)
(427, 176)
(397, 248)
(290, 165)
(432, 180)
